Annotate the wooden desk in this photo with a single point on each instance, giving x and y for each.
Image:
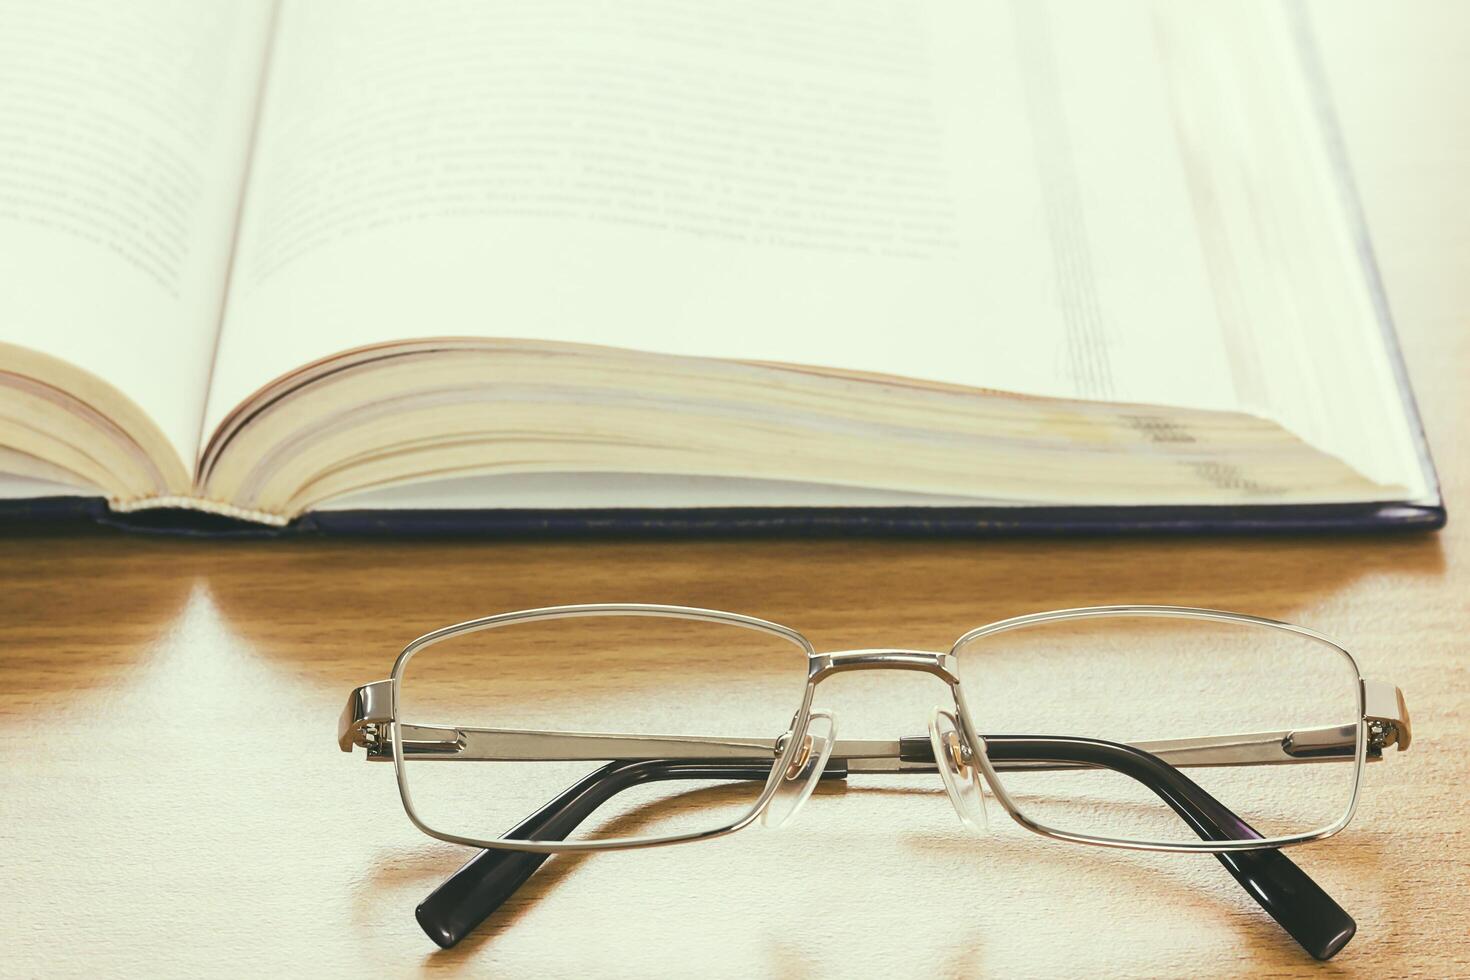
(173, 800)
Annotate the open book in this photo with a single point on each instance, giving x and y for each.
(904, 257)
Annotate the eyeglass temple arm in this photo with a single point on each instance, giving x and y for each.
(491, 877)
(1287, 893)
(1271, 877)
(365, 719)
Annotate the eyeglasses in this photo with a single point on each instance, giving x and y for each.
(603, 727)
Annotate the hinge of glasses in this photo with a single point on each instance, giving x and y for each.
(1380, 734)
(363, 719)
(375, 739)
(1387, 716)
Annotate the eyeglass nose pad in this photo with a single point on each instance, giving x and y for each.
(958, 770)
(801, 776)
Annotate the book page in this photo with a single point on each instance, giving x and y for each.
(1289, 262)
(124, 131)
(975, 193)
(581, 491)
(1120, 201)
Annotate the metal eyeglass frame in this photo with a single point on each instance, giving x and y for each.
(371, 720)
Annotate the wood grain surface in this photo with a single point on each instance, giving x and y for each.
(172, 801)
